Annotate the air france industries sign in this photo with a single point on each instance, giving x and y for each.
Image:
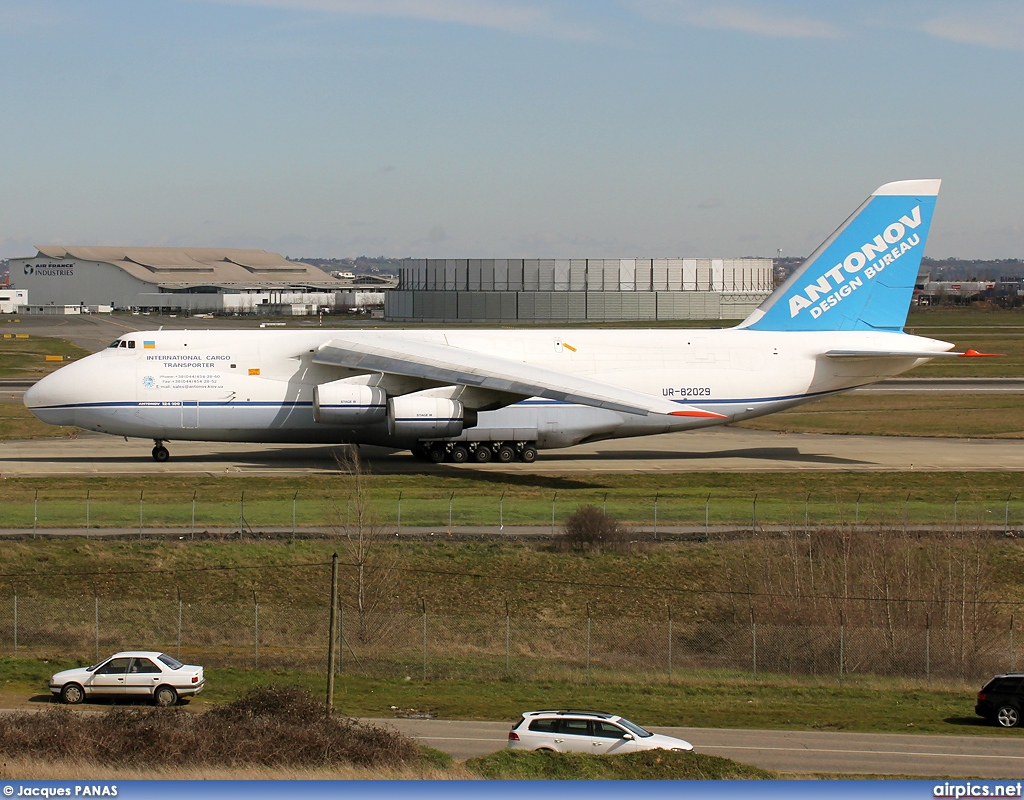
(843, 279)
(51, 270)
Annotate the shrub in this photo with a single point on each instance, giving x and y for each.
(589, 529)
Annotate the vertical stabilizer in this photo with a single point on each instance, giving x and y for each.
(862, 277)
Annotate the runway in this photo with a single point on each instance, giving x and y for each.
(722, 449)
(919, 755)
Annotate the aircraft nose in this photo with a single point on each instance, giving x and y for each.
(50, 399)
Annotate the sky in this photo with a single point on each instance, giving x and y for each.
(505, 128)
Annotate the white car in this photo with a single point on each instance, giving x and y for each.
(586, 732)
(135, 673)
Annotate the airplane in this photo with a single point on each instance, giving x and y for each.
(476, 395)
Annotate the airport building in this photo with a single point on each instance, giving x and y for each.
(578, 290)
(210, 280)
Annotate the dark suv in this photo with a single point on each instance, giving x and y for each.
(1001, 700)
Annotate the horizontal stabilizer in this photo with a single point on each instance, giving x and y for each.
(456, 365)
(851, 354)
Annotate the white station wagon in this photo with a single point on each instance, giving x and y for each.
(586, 732)
(135, 673)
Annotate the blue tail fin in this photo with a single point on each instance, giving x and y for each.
(862, 277)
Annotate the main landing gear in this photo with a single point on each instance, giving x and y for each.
(160, 453)
(478, 452)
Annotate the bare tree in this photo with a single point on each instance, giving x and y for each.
(371, 559)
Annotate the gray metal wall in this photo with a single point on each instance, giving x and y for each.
(634, 289)
(73, 282)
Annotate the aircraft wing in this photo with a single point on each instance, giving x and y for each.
(456, 365)
(851, 354)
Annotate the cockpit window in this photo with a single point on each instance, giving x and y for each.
(131, 344)
(115, 343)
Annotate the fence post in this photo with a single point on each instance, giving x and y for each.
(588, 643)
(856, 512)
(255, 631)
(753, 517)
(332, 633)
(451, 499)
(423, 603)
(1006, 515)
(928, 645)
(842, 642)
(957, 497)
(707, 504)
(295, 501)
(1012, 659)
(96, 617)
(807, 513)
(35, 513)
(141, 492)
(753, 645)
(341, 639)
(501, 514)
(87, 510)
(192, 535)
(508, 640)
(553, 499)
(178, 656)
(15, 623)
(670, 642)
(241, 514)
(399, 528)
(656, 494)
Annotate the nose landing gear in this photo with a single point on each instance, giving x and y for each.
(160, 453)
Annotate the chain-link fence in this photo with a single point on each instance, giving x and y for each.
(432, 645)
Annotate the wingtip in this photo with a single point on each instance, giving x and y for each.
(703, 414)
(976, 354)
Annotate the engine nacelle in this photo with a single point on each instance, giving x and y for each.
(340, 403)
(425, 417)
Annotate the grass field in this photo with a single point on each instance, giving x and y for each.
(487, 498)
(25, 358)
(867, 704)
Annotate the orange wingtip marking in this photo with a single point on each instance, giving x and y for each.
(706, 414)
(976, 354)
(568, 347)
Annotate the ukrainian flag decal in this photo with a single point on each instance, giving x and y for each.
(146, 345)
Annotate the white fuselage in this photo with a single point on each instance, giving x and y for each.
(258, 386)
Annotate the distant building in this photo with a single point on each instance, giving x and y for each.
(232, 281)
(12, 299)
(578, 289)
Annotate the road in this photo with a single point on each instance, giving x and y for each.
(783, 751)
(711, 450)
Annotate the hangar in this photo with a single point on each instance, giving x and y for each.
(578, 289)
(177, 279)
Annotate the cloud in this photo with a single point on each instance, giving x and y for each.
(510, 17)
(998, 26)
(752, 18)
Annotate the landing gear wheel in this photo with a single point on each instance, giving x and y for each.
(529, 454)
(436, 455)
(482, 454)
(459, 454)
(161, 454)
(1008, 717)
(506, 455)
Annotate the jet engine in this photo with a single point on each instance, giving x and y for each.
(341, 403)
(417, 417)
